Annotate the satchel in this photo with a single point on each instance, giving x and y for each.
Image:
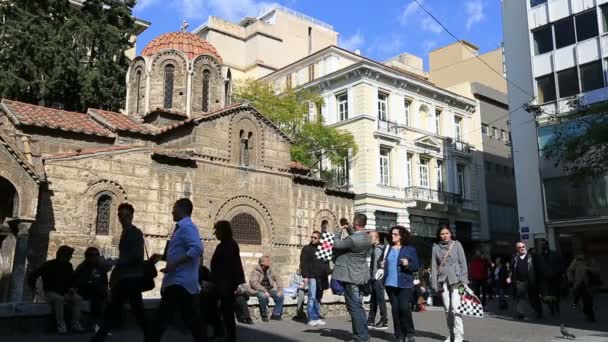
(337, 287)
(150, 273)
(470, 305)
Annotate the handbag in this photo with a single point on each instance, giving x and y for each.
(150, 273)
(336, 287)
(470, 305)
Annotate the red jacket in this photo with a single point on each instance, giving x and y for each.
(478, 270)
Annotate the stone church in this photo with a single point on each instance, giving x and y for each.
(63, 174)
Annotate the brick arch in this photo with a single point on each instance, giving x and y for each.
(247, 122)
(322, 215)
(91, 197)
(216, 84)
(26, 189)
(157, 80)
(248, 205)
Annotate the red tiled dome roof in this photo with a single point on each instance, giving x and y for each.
(189, 43)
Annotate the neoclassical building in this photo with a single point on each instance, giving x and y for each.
(63, 174)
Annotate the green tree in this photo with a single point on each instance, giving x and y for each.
(578, 143)
(290, 111)
(56, 53)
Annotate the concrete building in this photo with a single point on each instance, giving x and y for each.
(63, 174)
(255, 47)
(460, 68)
(415, 165)
(555, 55)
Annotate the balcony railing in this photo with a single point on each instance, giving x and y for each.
(462, 147)
(388, 127)
(430, 195)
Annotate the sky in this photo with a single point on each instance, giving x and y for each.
(381, 29)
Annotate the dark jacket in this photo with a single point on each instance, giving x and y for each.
(310, 265)
(131, 255)
(549, 266)
(405, 275)
(91, 280)
(351, 258)
(226, 267)
(57, 276)
(531, 269)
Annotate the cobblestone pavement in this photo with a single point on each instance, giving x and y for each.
(430, 326)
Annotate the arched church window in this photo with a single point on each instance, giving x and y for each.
(246, 147)
(227, 100)
(104, 208)
(246, 230)
(169, 71)
(206, 74)
(138, 85)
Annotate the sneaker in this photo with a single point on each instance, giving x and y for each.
(320, 322)
(248, 321)
(381, 325)
(265, 319)
(313, 323)
(371, 324)
(61, 329)
(276, 318)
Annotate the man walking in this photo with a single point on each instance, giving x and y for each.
(179, 291)
(266, 284)
(126, 278)
(523, 279)
(352, 270)
(314, 271)
(549, 270)
(377, 300)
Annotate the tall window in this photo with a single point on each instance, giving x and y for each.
(438, 121)
(343, 173)
(543, 40)
(138, 94)
(407, 103)
(461, 180)
(592, 76)
(439, 175)
(104, 208)
(246, 229)
(311, 72)
(495, 133)
(568, 82)
(385, 166)
(586, 25)
(408, 166)
(382, 106)
(424, 173)
(206, 74)
(342, 100)
(169, 70)
(564, 33)
(545, 86)
(458, 128)
(503, 135)
(288, 81)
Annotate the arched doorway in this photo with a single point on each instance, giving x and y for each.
(9, 200)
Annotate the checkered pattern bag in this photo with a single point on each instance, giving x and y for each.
(324, 250)
(470, 305)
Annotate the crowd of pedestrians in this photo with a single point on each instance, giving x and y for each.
(214, 299)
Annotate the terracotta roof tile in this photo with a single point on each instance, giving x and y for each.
(32, 115)
(121, 122)
(90, 151)
(189, 43)
(165, 110)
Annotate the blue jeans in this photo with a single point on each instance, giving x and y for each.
(313, 308)
(354, 305)
(278, 303)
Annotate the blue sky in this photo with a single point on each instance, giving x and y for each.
(380, 29)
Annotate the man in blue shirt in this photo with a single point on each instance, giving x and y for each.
(180, 283)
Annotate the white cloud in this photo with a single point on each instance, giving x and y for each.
(409, 10)
(353, 42)
(232, 10)
(143, 4)
(429, 24)
(429, 45)
(475, 12)
(388, 47)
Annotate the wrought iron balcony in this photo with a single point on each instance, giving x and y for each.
(430, 195)
(388, 127)
(462, 147)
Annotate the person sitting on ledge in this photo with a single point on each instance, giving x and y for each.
(266, 284)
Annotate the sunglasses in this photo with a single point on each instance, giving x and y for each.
(314, 237)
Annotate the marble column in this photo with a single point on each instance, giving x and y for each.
(17, 282)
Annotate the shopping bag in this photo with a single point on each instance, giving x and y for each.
(470, 305)
(324, 249)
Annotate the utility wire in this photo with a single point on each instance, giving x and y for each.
(472, 52)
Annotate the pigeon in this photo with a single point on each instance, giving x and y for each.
(566, 334)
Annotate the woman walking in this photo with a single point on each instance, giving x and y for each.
(227, 274)
(400, 261)
(448, 273)
(584, 275)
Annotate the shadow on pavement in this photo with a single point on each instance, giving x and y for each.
(346, 335)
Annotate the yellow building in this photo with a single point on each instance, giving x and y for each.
(255, 47)
(415, 165)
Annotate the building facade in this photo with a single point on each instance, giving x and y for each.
(460, 68)
(255, 47)
(414, 166)
(63, 174)
(556, 58)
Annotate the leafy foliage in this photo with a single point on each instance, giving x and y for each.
(290, 111)
(54, 53)
(579, 142)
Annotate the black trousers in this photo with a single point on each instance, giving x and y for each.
(480, 288)
(377, 302)
(524, 290)
(403, 322)
(227, 309)
(125, 290)
(176, 298)
(583, 292)
(210, 315)
(241, 308)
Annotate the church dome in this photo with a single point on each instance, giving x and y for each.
(189, 43)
